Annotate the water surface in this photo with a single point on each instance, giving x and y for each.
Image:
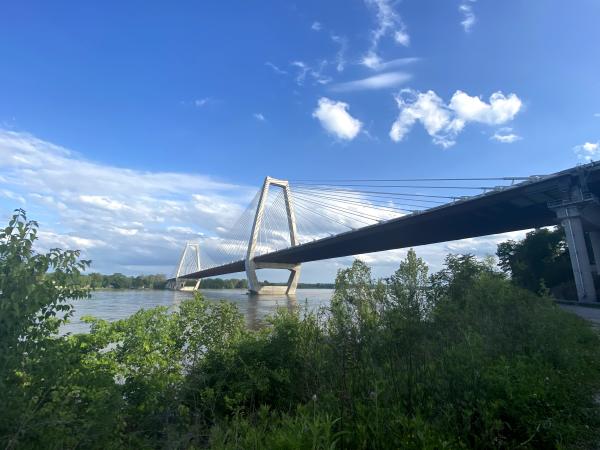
(118, 304)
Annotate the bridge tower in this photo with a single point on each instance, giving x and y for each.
(189, 262)
(254, 285)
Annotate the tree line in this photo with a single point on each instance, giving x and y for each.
(97, 280)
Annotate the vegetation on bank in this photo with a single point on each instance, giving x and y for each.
(235, 283)
(540, 263)
(461, 358)
(97, 280)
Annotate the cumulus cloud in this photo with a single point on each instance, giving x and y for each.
(500, 108)
(505, 136)
(380, 81)
(443, 122)
(389, 23)
(316, 26)
(259, 116)
(469, 19)
(587, 151)
(336, 119)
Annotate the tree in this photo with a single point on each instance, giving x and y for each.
(541, 258)
(35, 291)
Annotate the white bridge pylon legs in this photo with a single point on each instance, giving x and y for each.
(189, 262)
(254, 286)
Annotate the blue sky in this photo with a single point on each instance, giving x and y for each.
(107, 109)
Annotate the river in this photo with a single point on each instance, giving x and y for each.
(118, 304)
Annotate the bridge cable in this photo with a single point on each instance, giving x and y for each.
(342, 210)
(367, 203)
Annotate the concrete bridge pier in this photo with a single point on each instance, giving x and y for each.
(254, 286)
(579, 214)
(570, 219)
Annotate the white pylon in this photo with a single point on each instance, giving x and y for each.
(254, 285)
(187, 266)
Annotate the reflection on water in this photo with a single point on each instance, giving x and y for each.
(119, 304)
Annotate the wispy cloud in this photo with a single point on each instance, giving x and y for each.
(380, 81)
(316, 73)
(505, 136)
(469, 18)
(259, 117)
(199, 103)
(444, 122)
(336, 119)
(316, 26)
(379, 65)
(275, 68)
(389, 23)
(340, 57)
(118, 217)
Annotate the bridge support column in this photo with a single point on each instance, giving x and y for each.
(595, 241)
(254, 286)
(570, 218)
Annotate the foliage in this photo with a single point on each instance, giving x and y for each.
(220, 283)
(461, 358)
(97, 280)
(539, 261)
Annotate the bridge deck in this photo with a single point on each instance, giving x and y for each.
(518, 207)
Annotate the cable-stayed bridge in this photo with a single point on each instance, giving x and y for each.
(292, 222)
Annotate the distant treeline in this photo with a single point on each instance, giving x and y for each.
(236, 283)
(220, 283)
(119, 281)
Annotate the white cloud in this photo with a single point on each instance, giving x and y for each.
(6, 193)
(102, 202)
(316, 26)
(499, 110)
(315, 73)
(259, 117)
(340, 59)
(202, 102)
(335, 119)
(505, 136)
(374, 62)
(389, 23)
(275, 68)
(596, 114)
(444, 122)
(587, 151)
(118, 217)
(402, 38)
(469, 19)
(381, 81)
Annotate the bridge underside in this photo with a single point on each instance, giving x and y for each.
(541, 202)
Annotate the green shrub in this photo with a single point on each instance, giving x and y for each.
(458, 359)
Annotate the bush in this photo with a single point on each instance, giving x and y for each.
(458, 359)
